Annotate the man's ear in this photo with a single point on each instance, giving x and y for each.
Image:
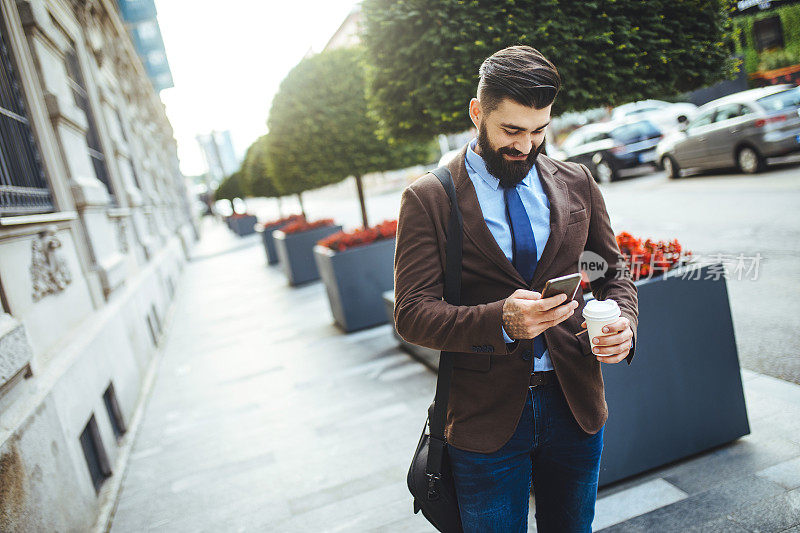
(475, 112)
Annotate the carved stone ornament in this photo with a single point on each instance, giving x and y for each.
(49, 272)
(90, 14)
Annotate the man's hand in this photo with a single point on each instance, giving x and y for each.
(614, 346)
(526, 314)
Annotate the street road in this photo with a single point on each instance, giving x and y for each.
(757, 217)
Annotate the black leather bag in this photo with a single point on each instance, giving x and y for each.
(430, 478)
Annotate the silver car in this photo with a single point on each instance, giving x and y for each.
(741, 130)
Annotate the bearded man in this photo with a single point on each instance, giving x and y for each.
(526, 406)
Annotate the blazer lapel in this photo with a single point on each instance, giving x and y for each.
(557, 193)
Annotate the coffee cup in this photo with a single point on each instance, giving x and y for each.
(599, 313)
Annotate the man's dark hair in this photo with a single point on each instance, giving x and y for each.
(520, 73)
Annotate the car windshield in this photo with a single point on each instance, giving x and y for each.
(782, 100)
(636, 131)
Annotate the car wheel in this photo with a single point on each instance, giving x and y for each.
(671, 167)
(604, 172)
(750, 160)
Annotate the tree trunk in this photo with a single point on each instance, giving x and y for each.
(360, 187)
(302, 207)
(280, 207)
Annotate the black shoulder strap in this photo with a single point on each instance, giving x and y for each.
(452, 295)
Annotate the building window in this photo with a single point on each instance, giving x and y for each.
(78, 86)
(114, 412)
(768, 33)
(95, 454)
(23, 185)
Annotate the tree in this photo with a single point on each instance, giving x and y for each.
(320, 132)
(231, 187)
(424, 56)
(256, 170)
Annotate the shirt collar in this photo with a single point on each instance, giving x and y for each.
(476, 164)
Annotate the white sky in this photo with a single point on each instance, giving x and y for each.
(228, 59)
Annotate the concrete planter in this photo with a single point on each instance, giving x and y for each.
(296, 253)
(243, 226)
(355, 280)
(683, 393)
(269, 244)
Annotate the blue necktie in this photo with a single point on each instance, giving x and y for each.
(523, 248)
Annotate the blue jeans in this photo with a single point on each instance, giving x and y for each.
(548, 446)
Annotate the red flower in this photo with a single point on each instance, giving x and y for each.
(342, 240)
(643, 256)
(282, 221)
(303, 225)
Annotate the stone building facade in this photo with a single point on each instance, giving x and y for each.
(95, 227)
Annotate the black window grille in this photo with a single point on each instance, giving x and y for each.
(23, 185)
(78, 86)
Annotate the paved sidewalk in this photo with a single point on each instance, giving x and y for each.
(264, 417)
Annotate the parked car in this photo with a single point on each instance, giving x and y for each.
(740, 130)
(610, 147)
(665, 115)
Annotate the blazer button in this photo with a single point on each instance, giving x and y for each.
(526, 355)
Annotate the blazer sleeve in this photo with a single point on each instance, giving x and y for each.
(421, 315)
(616, 283)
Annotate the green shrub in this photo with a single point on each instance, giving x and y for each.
(774, 59)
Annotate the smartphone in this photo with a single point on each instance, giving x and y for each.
(565, 284)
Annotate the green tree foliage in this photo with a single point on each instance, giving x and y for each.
(319, 129)
(232, 187)
(424, 55)
(256, 170)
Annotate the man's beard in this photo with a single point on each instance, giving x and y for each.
(510, 173)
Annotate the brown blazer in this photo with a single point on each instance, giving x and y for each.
(490, 379)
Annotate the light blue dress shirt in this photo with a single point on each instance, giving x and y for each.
(493, 206)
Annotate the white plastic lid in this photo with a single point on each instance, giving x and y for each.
(601, 309)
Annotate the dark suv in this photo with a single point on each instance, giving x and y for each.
(609, 147)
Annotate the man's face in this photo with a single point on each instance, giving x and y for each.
(510, 138)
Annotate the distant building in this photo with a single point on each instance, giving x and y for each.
(140, 18)
(349, 32)
(95, 228)
(217, 149)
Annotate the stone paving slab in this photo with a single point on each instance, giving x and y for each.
(265, 417)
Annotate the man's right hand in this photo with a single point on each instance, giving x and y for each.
(526, 314)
